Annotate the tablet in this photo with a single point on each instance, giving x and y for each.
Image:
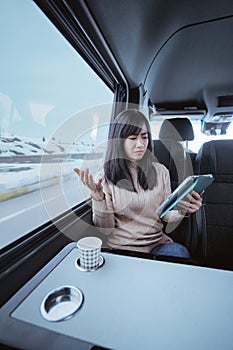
(197, 183)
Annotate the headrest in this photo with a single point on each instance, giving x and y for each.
(215, 157)
(173, 157)
(178, 129)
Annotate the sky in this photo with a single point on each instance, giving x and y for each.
(43, 80)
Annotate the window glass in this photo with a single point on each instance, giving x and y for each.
(199, 136)
(54, 116)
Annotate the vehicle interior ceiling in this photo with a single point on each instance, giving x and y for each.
(174, 57)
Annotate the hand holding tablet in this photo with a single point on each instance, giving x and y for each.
(197, 183)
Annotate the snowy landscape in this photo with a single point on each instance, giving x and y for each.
(16, 146)
(25, 162)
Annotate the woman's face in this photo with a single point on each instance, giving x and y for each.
(135, 146)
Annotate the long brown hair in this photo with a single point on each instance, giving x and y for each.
(116, 167)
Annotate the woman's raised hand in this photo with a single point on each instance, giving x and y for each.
(95, 187)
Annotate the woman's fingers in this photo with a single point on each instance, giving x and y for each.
(91, 183)
(77, 171)
(99, 184)
(184, 204)
(87, 179)
(187, 207)
(195, 196)
(192, 203)
(196, 199)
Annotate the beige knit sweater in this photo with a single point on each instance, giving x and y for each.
(129, 219)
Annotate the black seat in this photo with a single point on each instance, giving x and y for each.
(215, 157)
(169, 150)
(172, 155)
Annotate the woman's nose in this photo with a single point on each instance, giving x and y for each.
(140, 142)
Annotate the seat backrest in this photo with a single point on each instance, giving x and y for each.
(216, 157)
(170, 151)
(172, 155)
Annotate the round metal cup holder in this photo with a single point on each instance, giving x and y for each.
(61, 303)
(80, 268)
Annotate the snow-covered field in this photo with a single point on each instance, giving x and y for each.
(16, 146)
(28, 174)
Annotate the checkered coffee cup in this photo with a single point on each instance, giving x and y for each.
(89, 252)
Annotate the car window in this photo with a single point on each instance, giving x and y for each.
(54, 113)
(199, 136)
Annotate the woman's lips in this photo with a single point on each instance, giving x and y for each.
(138, 153)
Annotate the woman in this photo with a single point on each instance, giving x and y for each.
(126, 197)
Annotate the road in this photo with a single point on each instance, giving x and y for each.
(22, 214)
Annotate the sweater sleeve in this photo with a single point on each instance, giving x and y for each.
(103, 213)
